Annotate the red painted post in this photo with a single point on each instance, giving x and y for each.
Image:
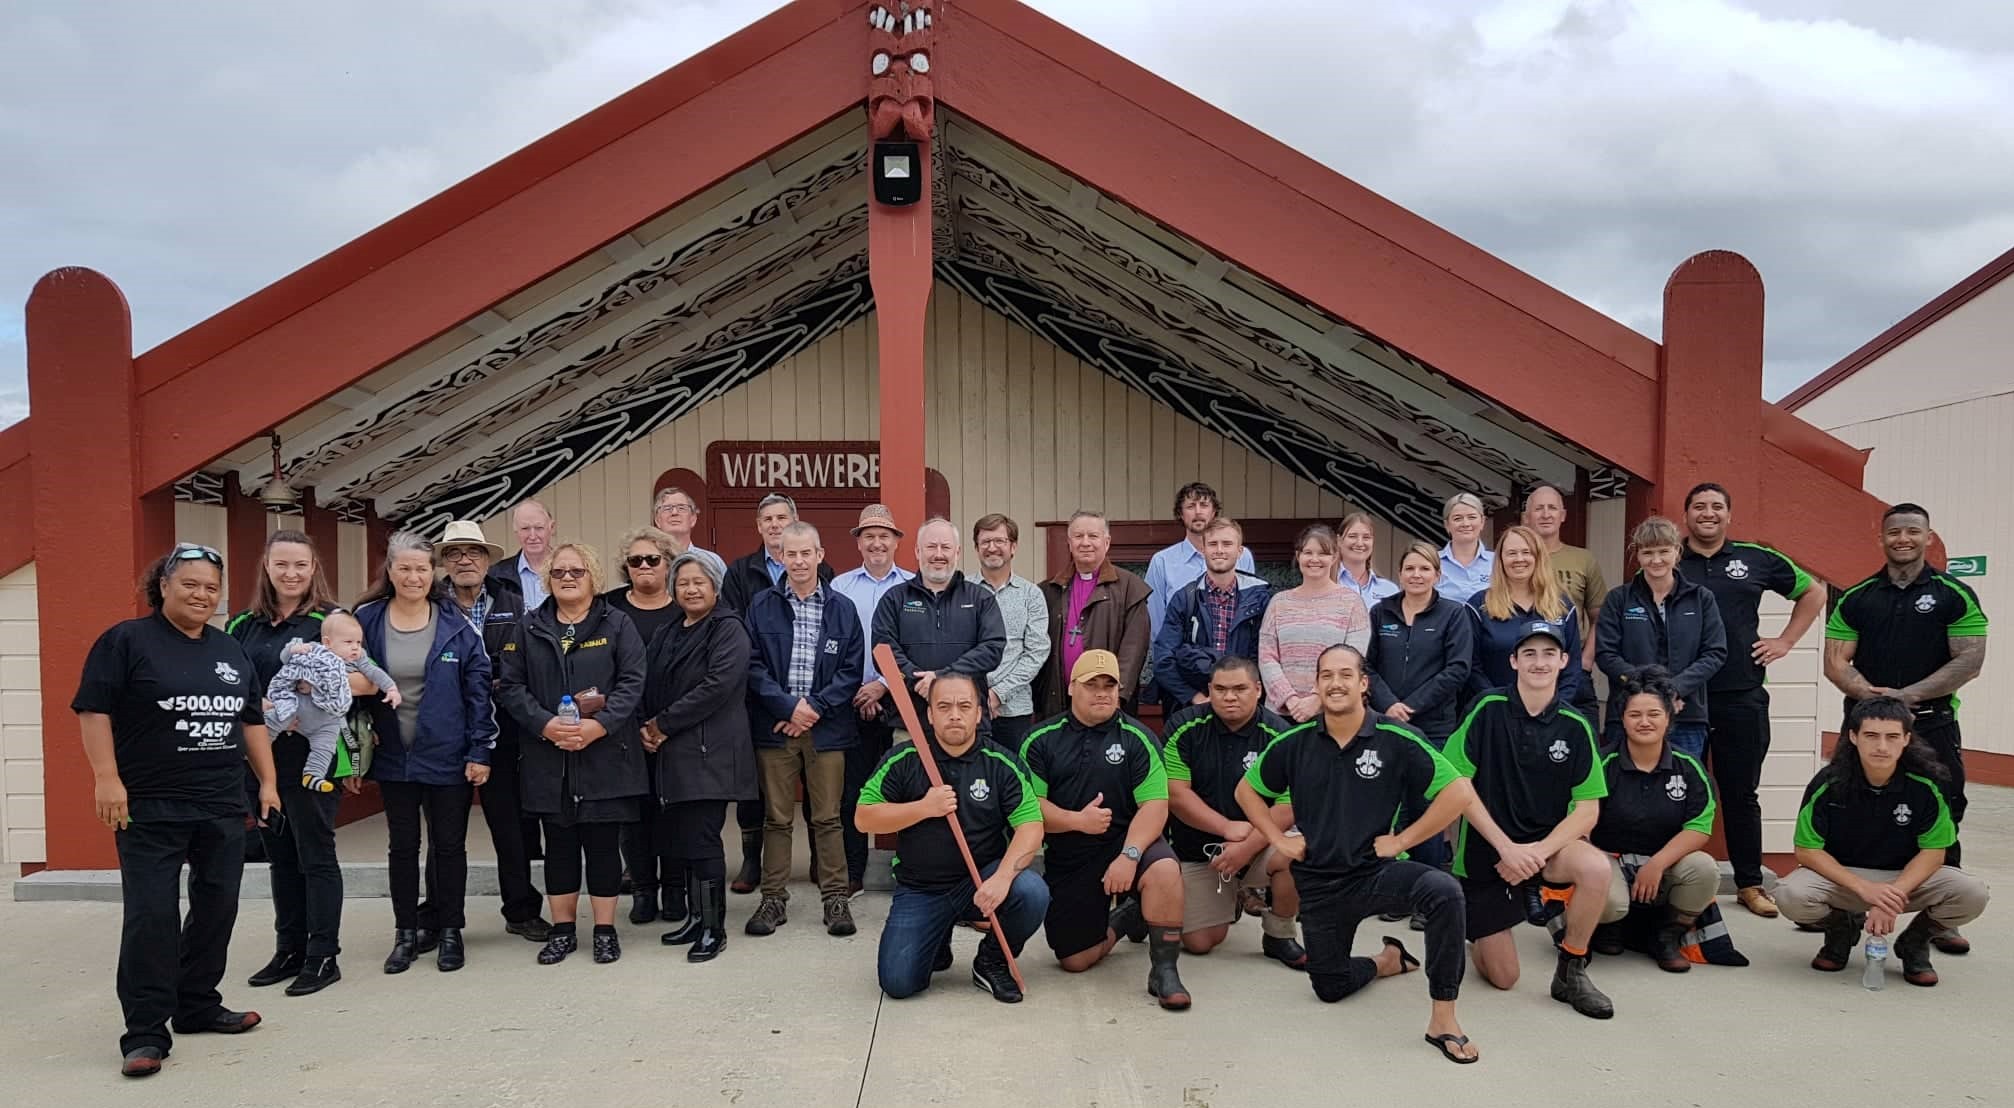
(94, 533)
(899, 261)
(244, 541)
(320, 524)
(1710, 382)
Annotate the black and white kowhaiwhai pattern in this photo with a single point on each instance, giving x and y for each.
(201, 488)
(738, 353)
(639, 284)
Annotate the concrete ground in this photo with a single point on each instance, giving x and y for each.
(796, 1020)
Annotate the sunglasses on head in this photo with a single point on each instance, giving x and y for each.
(570, 573)
(638, 561)
(189, 552)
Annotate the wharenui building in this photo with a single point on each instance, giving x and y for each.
(950, 256)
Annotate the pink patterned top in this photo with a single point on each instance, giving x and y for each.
(1297, 628)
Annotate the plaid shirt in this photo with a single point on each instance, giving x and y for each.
(807, 625)
(479, 612)
(1220, 607)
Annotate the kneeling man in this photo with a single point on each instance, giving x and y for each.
(1104, 797)
(1350, 772)
(1208, 749)
(995, 806)
(1870, 844)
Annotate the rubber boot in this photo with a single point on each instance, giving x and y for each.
(1164, 946)
(687, 929)
(750, 875)
(712, 923)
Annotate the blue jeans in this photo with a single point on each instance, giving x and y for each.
(1689, 737)
(920, 922)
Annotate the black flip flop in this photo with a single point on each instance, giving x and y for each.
(1407, 963)
(1442, 1042)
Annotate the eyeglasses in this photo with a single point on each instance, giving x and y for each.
(570, 573)
(675, 509)
(461, 554)
(189, 552)
(638, 561)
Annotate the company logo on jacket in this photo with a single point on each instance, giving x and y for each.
(1675, 788)
(979, 789)
(1926, 602)
(1737, 569)
(1369, 765)
(227, 673)
(1902, 814)
(1557, 751)
(1115, 753)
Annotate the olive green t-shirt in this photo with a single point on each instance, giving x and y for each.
(1580, 576)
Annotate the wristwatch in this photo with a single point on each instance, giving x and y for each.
(1131, 852)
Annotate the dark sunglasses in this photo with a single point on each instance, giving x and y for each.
(638, 561)
(568, 574)
(189, 552)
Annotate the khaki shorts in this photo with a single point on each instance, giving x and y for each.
(1204, 904)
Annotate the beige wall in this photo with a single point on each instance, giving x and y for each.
(1801, 705)
(1958, 358)
(21, 823)
(1099, 445)
(208, 524)
(1958, 461)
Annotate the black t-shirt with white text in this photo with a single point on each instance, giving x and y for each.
(179, 706)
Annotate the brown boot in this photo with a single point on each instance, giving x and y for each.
(1667, 945)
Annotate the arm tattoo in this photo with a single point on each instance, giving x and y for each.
(1839, 670)
(1968, 656)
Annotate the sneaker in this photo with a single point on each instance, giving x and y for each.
(990, 972)
(285, 966)
(1842, 934)
(769, 915)
(1570, 985)
(535, 929)
(838, 916)
(317, 974)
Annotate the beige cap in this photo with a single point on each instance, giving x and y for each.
(876, 515)
(1095, 663)
(462, 532)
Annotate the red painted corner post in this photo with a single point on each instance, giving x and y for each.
(1709, 389)
(899, 269)
(95, 526)
(244, 541)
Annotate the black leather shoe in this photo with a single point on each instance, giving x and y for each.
(452, 954)
(1285, 951)
(142, 1061)
(427, 939)
(224, 1022)
(285, 966)
(403, 951)
(534, 929)
(643, 906)
(316, 974)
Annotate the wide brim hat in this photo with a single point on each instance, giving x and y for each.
(462, 532)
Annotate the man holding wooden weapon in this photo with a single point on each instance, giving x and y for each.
(915, 793)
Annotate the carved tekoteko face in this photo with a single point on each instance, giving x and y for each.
(900, 99)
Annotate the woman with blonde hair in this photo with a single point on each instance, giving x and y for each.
(1465, 560)
(643, 561)
(1356, 541)
(1661, 619)
(1305, 620)
(1523, 590)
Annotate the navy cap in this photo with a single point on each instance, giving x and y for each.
(1539, 628)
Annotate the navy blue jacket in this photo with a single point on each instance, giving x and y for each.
(1183, 656)
(456, 721)
(1423, 664)
(1687, 639)
(834, 679)
(1496, 639)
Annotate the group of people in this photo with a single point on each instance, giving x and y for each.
(1423, 749)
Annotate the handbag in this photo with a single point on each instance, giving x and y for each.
(359, 743)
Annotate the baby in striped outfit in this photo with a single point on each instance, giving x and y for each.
(311, 693)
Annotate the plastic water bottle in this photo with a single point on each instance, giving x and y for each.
(1876, 953)
(568, 710)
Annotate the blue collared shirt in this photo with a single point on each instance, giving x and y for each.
(1459, 582)
(1373, 590)
(866, 591)
(1173, 568)
(775, 567)
(533, 582)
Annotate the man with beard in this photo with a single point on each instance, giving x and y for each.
(1010, 692)
(1196, 505)
(1214, 617)
(1208, 749)
(1917, 634)
(878, 575)
(939, 622)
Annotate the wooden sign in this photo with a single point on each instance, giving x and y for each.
(801, 470)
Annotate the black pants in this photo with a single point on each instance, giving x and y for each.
(307, 878)
(446, 809)
(169, 966)
(861, 760)
(599, 843)
(688, 837)
(1010, 731)
(1331, 910)
(506, 820)
(1939, 731)
(1737, 742)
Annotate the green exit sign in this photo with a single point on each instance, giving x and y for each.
(1975, 566)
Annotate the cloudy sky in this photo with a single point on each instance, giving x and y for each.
(1858, 151)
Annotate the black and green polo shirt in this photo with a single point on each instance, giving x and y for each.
(1529, 771)
(1070, 764)
(1867, 827)
(1212, 758)
(1902, 634)
(1737, 575)
(1346, 794)
(994, 798)
(1643, 810)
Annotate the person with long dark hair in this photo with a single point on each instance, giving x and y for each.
(584, 778)
(292, 598)
(1871, 840)
(695, 700)
(431, 749)
(169, 714)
